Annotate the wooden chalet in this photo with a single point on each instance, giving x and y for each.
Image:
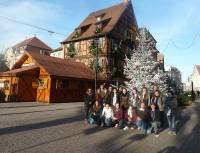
(113, 30)
(36, 77)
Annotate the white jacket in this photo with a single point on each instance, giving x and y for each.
(107, 113)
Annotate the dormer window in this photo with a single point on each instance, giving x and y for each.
(77, 33)
(99, 17)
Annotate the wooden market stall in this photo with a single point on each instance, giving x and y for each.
(36, 77)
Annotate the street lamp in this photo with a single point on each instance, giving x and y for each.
(96, 42)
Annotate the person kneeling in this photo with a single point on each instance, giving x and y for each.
(154, 120)
(117, 116)
(107, 115)
(130, 118)
(95, 114)
(143, 118)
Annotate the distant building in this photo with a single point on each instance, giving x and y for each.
(195, 78)
(33, 44)
(175, 78)
(153, 50)
(57, 53)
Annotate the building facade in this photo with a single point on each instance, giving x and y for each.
(175, 79)
(108, 34)
(57, 53)
(34, 44)
(195, 79)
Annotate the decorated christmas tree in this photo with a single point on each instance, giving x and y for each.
(142, 69)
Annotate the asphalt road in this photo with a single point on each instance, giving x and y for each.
(59, 128)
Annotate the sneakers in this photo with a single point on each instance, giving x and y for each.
(173, 133)
(156, 135)
(126, 128)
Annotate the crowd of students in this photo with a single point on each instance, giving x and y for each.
(145, 111)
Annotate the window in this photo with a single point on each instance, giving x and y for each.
(98, 18)
(41, 52)
(42, 83)
(62, 84)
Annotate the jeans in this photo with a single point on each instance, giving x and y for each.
(119, 122)
(154, 126)
(106, 121)
(172, 122)
(143, 125)
(163, 119)
(87, 110)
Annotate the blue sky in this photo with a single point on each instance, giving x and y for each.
(173, 23)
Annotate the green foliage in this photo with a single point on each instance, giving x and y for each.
(76, 35)
(94, 65)
(184, 100)
(92, 49)
(98, 30)
(71, 51)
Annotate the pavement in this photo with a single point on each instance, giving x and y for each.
(59, 128)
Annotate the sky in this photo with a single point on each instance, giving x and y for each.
(174, 24)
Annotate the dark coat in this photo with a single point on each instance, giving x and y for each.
(155, 116)
(118, 113)
(89, 99)
(144, 115)
(124, 104)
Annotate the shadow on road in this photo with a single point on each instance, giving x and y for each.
(187, 142)
(22, 128)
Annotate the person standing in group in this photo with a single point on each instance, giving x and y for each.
(145, 97)
(171, 106)
(159, 102)
(154, 120)
(101, 94)
(134, 98)
(115, 97)
(110, 95)
(124, 100)
(89, 100)
(107, 115)
(120, 91)
(155, 88)
(105, 96)
(98, 96)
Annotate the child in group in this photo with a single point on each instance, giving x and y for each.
(143, 118)
(154, 120)
(95, 114)
(117, 116)
(107, 115)
(130, 118)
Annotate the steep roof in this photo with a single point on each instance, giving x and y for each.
(59, 67)
(34, 42)
(198, 68)
(20, 71)
(110, 15)
(57, 49)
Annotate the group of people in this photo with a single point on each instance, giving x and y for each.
(146, 111)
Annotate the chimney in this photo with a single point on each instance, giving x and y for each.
(125, 1)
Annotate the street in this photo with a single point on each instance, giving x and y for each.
(59, 128)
